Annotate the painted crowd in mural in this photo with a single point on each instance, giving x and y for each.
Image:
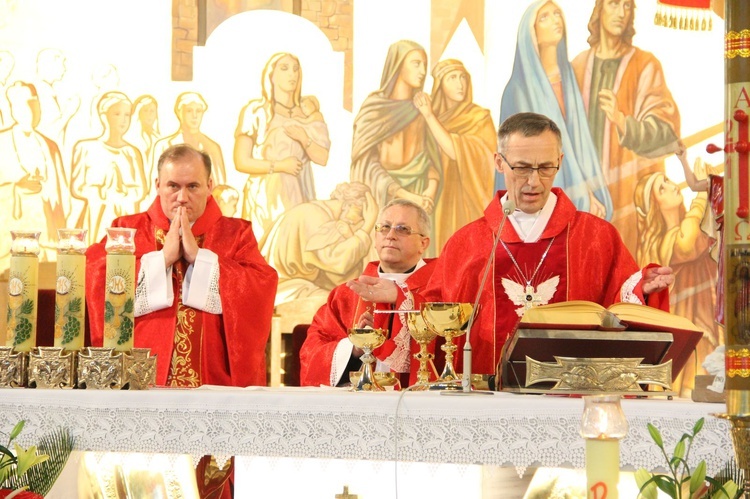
(80, 134)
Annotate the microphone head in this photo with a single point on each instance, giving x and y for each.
(509, 207)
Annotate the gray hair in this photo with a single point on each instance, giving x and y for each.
(179, 151)
(425, 225)
(528, 125)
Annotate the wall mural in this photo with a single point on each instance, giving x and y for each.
(407, 107)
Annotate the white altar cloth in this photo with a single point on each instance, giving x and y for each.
(502, 429)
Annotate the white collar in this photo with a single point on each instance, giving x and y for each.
(400, 277)
(530, 226)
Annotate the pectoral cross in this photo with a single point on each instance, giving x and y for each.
(531, 298)
(346, 494)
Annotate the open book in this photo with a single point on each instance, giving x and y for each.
(579, 314)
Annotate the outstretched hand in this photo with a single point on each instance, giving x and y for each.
(656, 279)
(374, 289)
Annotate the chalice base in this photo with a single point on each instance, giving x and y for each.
(367, 381)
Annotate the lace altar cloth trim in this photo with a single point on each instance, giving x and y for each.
(502, 429)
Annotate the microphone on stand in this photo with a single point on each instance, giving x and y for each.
(508, 207)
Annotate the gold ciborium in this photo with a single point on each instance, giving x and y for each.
(368, 339)
(447, 319)
(423, 335)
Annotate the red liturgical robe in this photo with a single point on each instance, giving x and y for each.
(233, 343)
(331, 322)
(586, 260)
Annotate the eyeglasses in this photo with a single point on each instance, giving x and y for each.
(526, 171)
(401, 230)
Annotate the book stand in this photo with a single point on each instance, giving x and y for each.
(576, 361)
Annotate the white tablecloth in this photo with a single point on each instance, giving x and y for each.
(501, 429)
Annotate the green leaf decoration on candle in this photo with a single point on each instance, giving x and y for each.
(74, 306)
(109, 312)
(681, 482)
(129, 307)
(27, 307)
(57, 312)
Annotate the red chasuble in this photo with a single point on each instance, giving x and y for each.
(331, 322)
(586, 260)
(232, 345)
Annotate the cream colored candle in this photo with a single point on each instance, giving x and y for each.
(23, 282)
(119, 300)
(602, 468)
(70, 287)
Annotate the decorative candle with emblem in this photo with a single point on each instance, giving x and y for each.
(70, 287)
(119, 300)
(603, 425)
(23, 282)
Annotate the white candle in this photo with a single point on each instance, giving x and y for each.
(119, 300)
(602, 468)
(70, 289)
(23, 285)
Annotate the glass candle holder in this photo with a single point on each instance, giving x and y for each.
(603, 425)
(119, 300)
(70, 289)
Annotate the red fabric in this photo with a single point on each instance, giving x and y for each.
(330, 324)
(22, 495)
(233, 343)
(695, 4)
(587, 255)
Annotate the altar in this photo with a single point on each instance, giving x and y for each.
(395, 431)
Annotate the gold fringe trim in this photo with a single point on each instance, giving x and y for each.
(684, 18)
(737, 44)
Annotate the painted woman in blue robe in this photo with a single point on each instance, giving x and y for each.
(543, 82)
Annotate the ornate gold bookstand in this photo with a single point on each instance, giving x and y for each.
(12, 368)
(588, 362)
(104, 368)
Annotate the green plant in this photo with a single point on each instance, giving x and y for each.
(37, 467)
(681, 483)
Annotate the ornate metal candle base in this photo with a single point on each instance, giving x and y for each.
(741, 441)
(104, 368)
(51, 367)
(12, 368)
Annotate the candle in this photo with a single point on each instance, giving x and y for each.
(70, 287)
(602, 468)
(119, 303)
(23, 281)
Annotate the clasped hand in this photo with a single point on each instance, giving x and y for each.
(180, 241)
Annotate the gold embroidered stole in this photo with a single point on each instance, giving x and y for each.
(185, 364)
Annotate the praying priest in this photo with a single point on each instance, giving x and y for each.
(547, 251)
(204, 296)
(327, 356)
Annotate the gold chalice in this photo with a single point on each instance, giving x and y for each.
(447, 319)
(423, 335)
(368, 339)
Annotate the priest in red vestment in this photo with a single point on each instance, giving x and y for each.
(204, 296)
(327, 356)
(547, 252)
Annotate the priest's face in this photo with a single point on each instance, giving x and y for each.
(184, 182)
(398, 252)
(540, 153)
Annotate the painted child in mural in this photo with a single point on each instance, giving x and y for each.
(275, 145)
(632, 117)
(7, 62)
(144, 131)
(108, 171)
(467, 139)
(671, 236)
(32, 184)
(316, 246)
(189, 107)
(391, 149)
(543, 82)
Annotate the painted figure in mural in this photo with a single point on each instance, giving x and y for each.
(144, 130)
(275, 144)
(327, 356)
(670, 235)
(227, 197)
(32, 183)
(545, 253)
(57, 110)
(632, 117)
(391, 149)
(105, 78)
(466, 137)
(107, 170)
(316, 246)
(543, 81)
(189, 107)
(310, 108)
(7, 62)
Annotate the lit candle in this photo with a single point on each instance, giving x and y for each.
(119, 304)
(602, 426)
(70, 286)
(23, 281)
